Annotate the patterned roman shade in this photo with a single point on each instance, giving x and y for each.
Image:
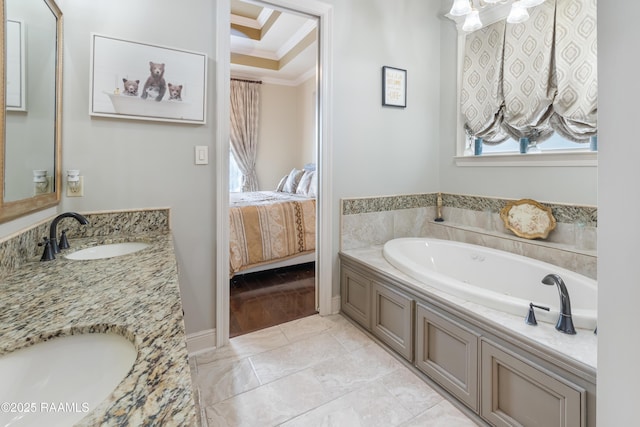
(529, 79)
(576, 46)
(481, 93)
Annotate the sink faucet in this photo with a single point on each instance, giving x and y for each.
(53, 229)
(565, 323)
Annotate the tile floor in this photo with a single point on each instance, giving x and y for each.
(314, 371)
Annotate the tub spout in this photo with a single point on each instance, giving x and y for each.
(565, 323)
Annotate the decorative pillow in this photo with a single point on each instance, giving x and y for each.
(292, 181)
(303, 185)
(281, 183)
(312, 191)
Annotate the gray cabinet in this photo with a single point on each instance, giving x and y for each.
(517, 392)
(448, 353)
(355, 296)
(505, 382)
(392, 319)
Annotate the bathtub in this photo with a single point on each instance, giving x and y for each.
(493, 278)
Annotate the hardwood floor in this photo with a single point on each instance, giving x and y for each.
(267, 298)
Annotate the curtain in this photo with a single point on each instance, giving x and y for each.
(481, 92)
(531, 79)
(245, 105)
(576, 104)
(529, 75)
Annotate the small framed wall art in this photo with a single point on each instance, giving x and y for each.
(394, 87)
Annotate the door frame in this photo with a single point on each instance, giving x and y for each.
(324, 218)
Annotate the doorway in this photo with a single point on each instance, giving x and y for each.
(323, 271)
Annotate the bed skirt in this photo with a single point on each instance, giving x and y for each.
(266, 233)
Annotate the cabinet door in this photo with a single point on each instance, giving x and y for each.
(448, 353)
(517, 392)
(355, 297)
(392, 319)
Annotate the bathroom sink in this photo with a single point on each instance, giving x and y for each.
(58, 382)
(107, 251)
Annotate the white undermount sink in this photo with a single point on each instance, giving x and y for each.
(58, 382)
(107, 251)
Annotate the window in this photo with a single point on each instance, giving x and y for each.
(522, 80)
(555, 143)
(235, 176)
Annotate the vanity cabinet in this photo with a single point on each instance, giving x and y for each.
(383, 311)
(517, 392)
(392, 319)
(355, 296)
(448, 353)
(503, 380)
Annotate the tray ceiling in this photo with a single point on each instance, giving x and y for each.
(270, 45)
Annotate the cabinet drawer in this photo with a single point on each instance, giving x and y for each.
(448, 353)
(518, 392)
(392, 319)
(355, 297)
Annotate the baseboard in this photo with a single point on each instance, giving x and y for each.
(202, 341)
(335, 304)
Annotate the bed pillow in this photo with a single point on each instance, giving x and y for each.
(312, 191)
(292, 181)
(280, 186)
(303, 185)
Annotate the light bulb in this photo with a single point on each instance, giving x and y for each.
(460, 8)
(518, 13)
(472, 21)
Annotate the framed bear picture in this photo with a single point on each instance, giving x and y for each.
(141, 81)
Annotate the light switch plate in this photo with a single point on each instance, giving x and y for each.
(202, 155)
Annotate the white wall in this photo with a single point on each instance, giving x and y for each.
(384, 150)
(137, 164)
(618, 205)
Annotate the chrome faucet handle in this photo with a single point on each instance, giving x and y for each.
(531, 316)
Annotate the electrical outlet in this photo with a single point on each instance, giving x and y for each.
(77, 191)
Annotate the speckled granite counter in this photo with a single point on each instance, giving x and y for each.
(135, 295)
(578, 350)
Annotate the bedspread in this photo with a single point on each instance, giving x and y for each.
(264, 233)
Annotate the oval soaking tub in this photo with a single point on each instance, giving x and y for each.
(496, 279)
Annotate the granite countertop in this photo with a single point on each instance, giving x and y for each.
(135, 295)
(579, 349)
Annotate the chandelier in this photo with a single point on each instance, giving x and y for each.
(470, 10)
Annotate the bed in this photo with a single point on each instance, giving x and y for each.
(270, 229)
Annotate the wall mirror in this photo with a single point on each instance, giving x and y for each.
(30, 132)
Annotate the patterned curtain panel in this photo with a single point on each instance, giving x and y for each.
(245, 104)
(481, 91)
(576, 104)
(534, 78)
(529, 82)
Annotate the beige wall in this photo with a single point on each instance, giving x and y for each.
(286, 140)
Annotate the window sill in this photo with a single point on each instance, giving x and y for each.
(558, 158)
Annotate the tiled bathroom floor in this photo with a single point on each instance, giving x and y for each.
(314, 371)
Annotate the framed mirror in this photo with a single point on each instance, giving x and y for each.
(30, 123)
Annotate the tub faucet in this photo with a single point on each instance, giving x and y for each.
(565, 323)
(53, 229)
